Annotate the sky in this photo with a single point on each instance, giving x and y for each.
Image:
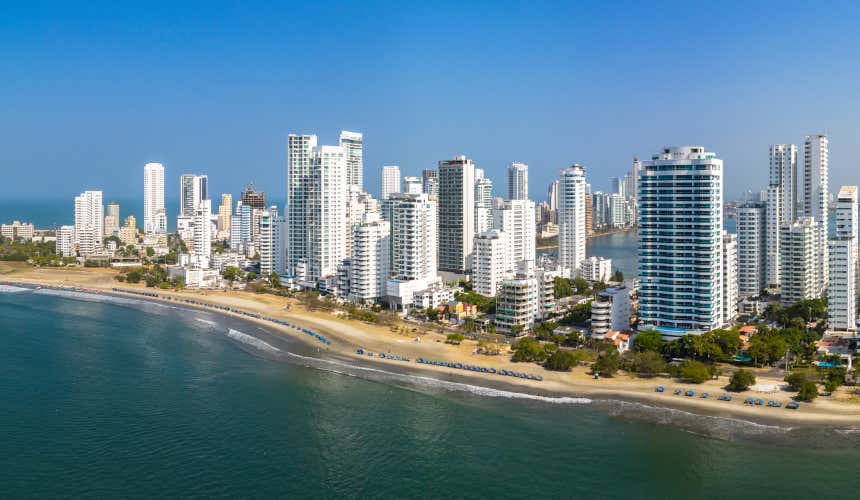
(91, 91)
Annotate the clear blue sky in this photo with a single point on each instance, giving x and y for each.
(91, 91)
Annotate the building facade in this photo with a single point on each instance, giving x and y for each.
(680, 241)
(842, 287)
(353, 147)
(518, 181)
(571, 220)
(390, 181)
(799, 244)
(154, 213)
(730, 277)
(752, 249)
(456, 214)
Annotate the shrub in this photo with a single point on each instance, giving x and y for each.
(808, 391)
(695, 371)
(607, 364)
(742, 380)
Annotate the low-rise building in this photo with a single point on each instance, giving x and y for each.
(596, 269)
(18, 230)
(610, 311)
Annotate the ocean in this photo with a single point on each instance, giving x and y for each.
(114, 397)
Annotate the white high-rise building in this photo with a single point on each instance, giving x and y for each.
(518, 181)
(66, 241)
(316, 209)
(633, 178)
(414, 246)
(730, 277)
(273, 242)
(483, 204)
(412, 185)
(353, 147)
(842, 289)
(371, 258)
(752, 255)
(327, 213)
(89, 222)
(456, 214)
(492, 262)
(390, 181)
(300, 150)
(571, 220)
(680, 241)
(816, 197)
(516, 219)
(202, 248)
(192, 190)
(617, 211)
(225, 213)
(782, 203)
(798, 247)
(154, 213)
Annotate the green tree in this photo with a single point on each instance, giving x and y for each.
(251, 276)
(742, 380)
(134, 276)
(150, 251)
(607, 364)
(563, 360)
(648, 340)
(581, 286)
(618, 276)
(808, 391)
(231, 274)
(645, 363)
(529, 349)
(274, 280)
(695, 371)
(562, 287)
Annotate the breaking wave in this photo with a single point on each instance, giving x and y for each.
(252, 341)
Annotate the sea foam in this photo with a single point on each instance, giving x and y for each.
(252, 341)
(477, 390)
(12, 289)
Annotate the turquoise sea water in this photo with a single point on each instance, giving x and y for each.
(103, 397)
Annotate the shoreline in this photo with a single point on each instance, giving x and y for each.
(348, 335)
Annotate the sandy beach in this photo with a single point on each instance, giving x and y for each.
(415, 340)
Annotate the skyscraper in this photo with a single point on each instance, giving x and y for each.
(273, 251)
(371, 259)
(154, 214)
(225, 212)
(730, 277)
(192, 190)
(112, 220)
(89, 222)
(571, 220)
(516, 219)
(254, 199)
(390, 181)
(300, 150)
(680, 241)
(782, 201)
(202, 248)
(430, 181)
(414, 245)
(412, 185)
(353, 148)
(518, 181)
(842, 289)
(316, 209)
(752, 259)
(633, 178)
(493, 262)
(456, 214)
(798, 247)
(816, 196)
(483, 204)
